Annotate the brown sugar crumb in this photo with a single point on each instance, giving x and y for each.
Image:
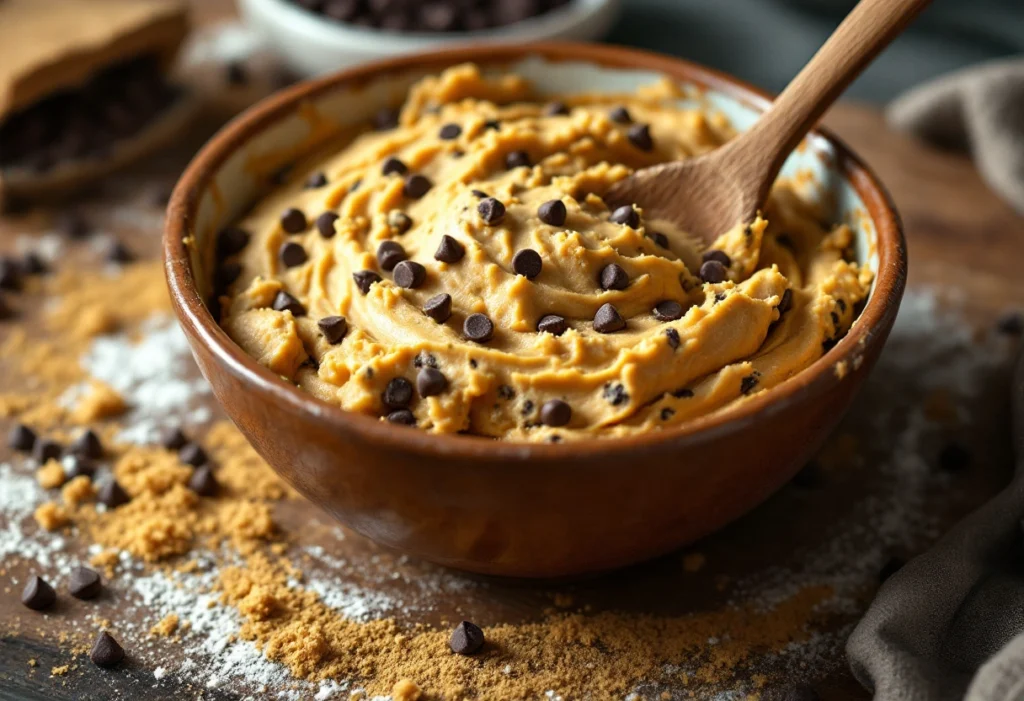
(51, 475)
(166, 626)
(101, 402)
(406, 690)
(59, 671)
(50, 516)
(259, 604)
(93, 321)
(77, 492)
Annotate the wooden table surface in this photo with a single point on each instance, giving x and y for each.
(964, 244)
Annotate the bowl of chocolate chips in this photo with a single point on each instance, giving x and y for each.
(318, 36)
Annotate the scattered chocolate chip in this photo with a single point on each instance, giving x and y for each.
(439, 307)
(385, 119)
(892, 566)
(491, 210)
(325, 224)
(45, 449)
(192, 454)
(21, 438)
(226, 274)
(84, 583)
(640, 136)
(285, 302)
(316, 181)
(397, 394)
(32, 264)
(416, 186)
(748, 383)
(365, 279)
(1011, 323)
(450, 131)
(399, 221)
(795, 692)
(715, 254)
(6, 312)
(555, 412)
(292, 254)
(493, 124)
(527, 263)
(119, 253)
(106, 652)
(203, 483)
(712, 271)
(467, 639)
(403, 417)
(517, 159)
(355, 185)
(473, 363)
(556, 109)
(173, 439)
(390, 254)
(10, 275)
(620, 115)
(506, 392)
(608, 320)
(231, 240)
(552, 324)
(409, 274)
(669, 310)
(552, 212)
(293, 220)
(87, 445)
(334, 328)
(394, 165)
(38, 594)
(79, 466)
(684, 393)
(235, 73)
(449, 250)
(626, 215)
(431, 382)
(613, 277)
(659, 239)
(786, 302)
(479, 194)
(477, 327)
(615, 393)
(112, 494)
(74, 225)
(954, 457)
(281, 175)
(667, 413)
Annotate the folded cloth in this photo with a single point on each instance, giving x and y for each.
(950, 624)
(980, 109)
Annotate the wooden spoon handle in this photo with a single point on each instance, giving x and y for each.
(758, 154)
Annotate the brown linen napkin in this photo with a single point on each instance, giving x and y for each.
(980, 109)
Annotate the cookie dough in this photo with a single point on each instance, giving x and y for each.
(456, 269)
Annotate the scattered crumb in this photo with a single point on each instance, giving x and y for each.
(50, 516)
(51, 475)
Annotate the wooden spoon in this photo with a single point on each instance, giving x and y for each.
(707, 195)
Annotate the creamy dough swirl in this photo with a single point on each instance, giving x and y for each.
(485, 162)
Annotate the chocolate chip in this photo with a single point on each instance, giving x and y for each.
(439, 307)
(667, 413)
(608, 320)
(355, 185)
(416, 186)
(292, 254)
(192, 454)
(552, 324)
(450, 131)
(325, 224)
(32, 264)
(293, 220)
(390, 254)
(334, 328)
(399, 221)
(954, 457)
(45, 449)
(715, 254)
(786, 302)
(397, 394)
(477, 327)
(10, 275)
(620, 115)
(6, 311)
(1010, 323)
(492, 124)
(84, 583)
(385, 119)
(640, 136)
(892, 566)
(106, 652)
(365, 279)
(235, 73)
(119, 253)
(79, 466)
(22, 438)
(613, 277)
(552, 212)
(402, 417)
(479, 194)
(87, 445)
(659, 238)
(409, 274)
(173, 439)
(393, 165)
(112, 494)
(431, 382)
(527, 263)
(316, 181)
(38, 594)
(669, 310)
(285, 302)
(449, 250)
(712, 271)
(506, 392)
(491, 210)
(555, 412)
(684, 393)
(517, 159)
(226, 274)
(748, 383)
(615, 393)
(203, 483)
(555, 109)
(467, 639)
(231, 240)
(74, 225)
(626, 215)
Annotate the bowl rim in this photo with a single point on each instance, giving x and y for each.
(875, 319)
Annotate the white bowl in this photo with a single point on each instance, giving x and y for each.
(311, 45)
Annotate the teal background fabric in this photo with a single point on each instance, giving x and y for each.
(767, 41)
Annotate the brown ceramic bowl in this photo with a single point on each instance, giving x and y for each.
(513, 508)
